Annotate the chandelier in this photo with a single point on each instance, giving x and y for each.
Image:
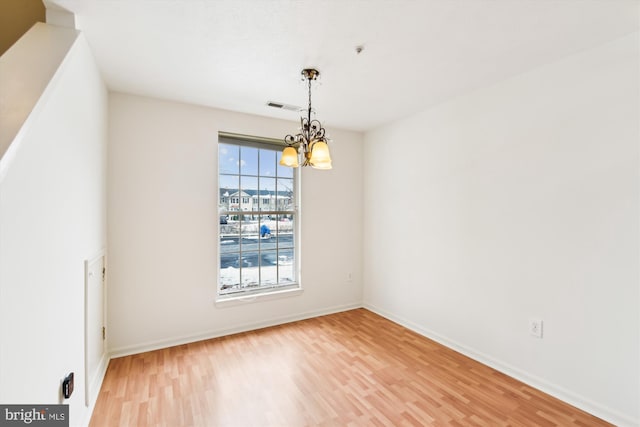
(310, 144)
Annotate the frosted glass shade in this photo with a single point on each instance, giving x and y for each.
(320, 157)
(322, 165)
(289, 157)
(320, 153)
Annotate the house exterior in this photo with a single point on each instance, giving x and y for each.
(234, 200)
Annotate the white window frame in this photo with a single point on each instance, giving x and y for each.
(253, 294)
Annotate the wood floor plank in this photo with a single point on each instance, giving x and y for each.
(347, 369)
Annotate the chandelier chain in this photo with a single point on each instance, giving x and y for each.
(309, 109)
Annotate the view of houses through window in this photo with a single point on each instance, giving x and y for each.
(257, 210)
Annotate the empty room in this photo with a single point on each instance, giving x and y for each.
(320, 213)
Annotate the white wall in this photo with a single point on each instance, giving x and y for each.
(163, 219)
(514, 202)
(52, 218)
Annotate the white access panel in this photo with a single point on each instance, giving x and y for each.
(95, 322)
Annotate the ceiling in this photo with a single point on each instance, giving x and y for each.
(240, 54)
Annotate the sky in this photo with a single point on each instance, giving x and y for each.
(260, 164)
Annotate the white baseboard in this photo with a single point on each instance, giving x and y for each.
(171, 342)
(554, 390)
(97, 381)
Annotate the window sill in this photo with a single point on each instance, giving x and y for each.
(263, 296)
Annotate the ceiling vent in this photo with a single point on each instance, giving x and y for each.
(282, 106)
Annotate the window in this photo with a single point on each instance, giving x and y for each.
(257, 247)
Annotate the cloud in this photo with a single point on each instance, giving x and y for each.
(241, 163)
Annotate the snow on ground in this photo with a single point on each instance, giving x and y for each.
(252, 277)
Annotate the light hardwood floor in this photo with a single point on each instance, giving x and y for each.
(347, 369)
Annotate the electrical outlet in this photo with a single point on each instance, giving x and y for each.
(535, 327)
(349, 277)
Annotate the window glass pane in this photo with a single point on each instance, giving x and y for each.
(269, 267)
(229, 236)
(249, 234)
(269, 258)
(267, 194)
(267, 233)
(248, 161)
(228, 156)
(284, 171)
(250, 269)
(249, 186)
(284, 235)
(284, 194)
(286, 263)
(268, 162)
(229, 191)
(229, 272)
